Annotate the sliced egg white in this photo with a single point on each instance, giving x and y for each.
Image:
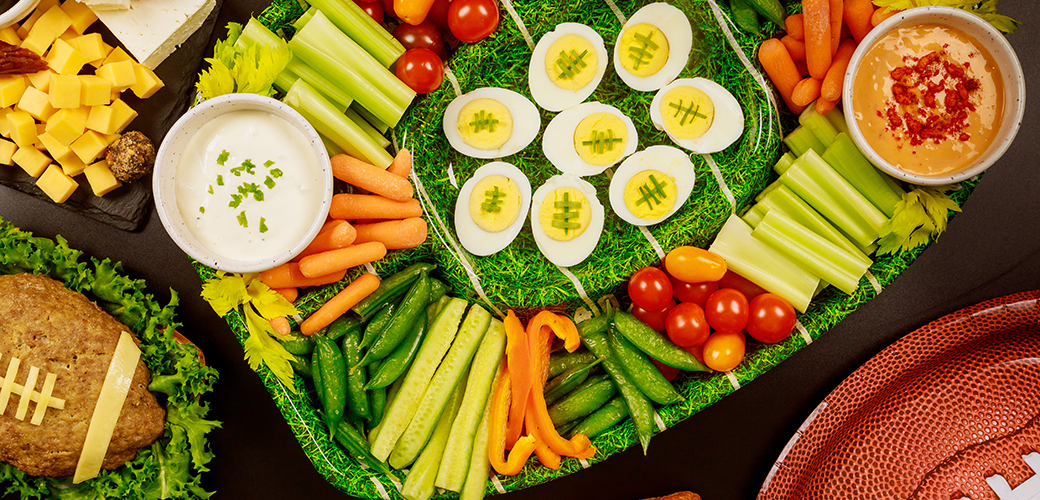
(548, 94)
(475, 239)
(558, 141)
(677, 169)
(675, 26)
(523, 114)
(572, 252)
(727, 123)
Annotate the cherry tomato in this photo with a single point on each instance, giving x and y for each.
(734, 280)
(439, 14)
(424, 35)
(697, 351)
(686, 325)
(723, 351)
(727, 310)
(655, 319)
(669, 372)
(472, 20)
(374, 9)
(648, 287)
(694, 265)
(770, 318)
(697, 293)
(420, 69)
(388, 8)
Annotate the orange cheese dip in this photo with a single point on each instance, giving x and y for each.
(928, 99)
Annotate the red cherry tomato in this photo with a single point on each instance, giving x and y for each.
(697, 293)
(424, 35)
(694, 265)
(374, 9)
(439, 14)
(388, 8)
(727, 310)
(472, 20)
(734, 280)
(655, 319)
(420, 69)
(697, 351)
(770, 318)
(686, 325)
(723, 351)
(648, 287)
(669, 372)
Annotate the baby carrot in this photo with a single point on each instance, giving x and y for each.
(795, 47)
(794, 24)
(402, 164)
(835, 79)
(880, 15)
(395, 234)
(857, 15)
(280, 325)
(289, 293)
(341, 259)
(777, 63)
(836, 22)
(288, 276)
(806, 91)
(338, 235)
(803, 69)
(823, 106)
(370, 177)
(360, 288)
(370, 206)
(817, 36)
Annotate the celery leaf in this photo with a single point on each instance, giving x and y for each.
(261, 347)
(919, 217)
(986, 9)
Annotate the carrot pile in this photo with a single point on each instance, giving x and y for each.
(808, 63)
(361, 229)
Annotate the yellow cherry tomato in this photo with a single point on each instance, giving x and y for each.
(694, 265)
(723, 351)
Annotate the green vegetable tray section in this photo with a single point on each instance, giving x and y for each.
(520, 275)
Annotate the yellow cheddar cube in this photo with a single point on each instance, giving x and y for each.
(65, 91)
(117, 55)
(64, 59)
(41, 80)
(41, 128)
(35, 45)
(147, 82)
(94, 91)
(66, 125)
(31, 160)
(71, 164)
(89, 146)
(5, 126)
(56, 184)
(11, 89)
(69, 34)
(91, 46)
(123, 114)
(10, 35)
(81, 15)
(41, 8)
(101, 179)
(101, 119)
(22, 128)
(121, 74)
(47, 28)
(7, 149)
(36, 103)
(53, 146)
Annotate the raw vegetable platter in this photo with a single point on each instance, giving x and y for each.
(521, 272)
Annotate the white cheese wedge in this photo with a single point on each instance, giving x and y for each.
(152, 29)
(45, 399)
(109, 405)
(99, 5)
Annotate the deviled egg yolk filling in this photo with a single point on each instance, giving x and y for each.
(571, 62)
(650, 194)
(643, 49)
(687, 112)
(485, 124)
(494, 203)
(564, 214)
(600, 139)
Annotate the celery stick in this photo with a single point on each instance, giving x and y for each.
(846, 159)
(368, 128)
(837, 119)
(334, 93)
(763, 265)
(754, 215)
(824, 201)
(479, 466)
(370, 118)
(418, 485)
(784, 163)
(845, 193)
(256, 33)
(894, 184)
(784, 201)
(285, 79)
(330, 146)
(448, 375)
(353, 21)
(328, 121)
(819, 125)
(831, 263)
(765, 192)
(458, 454)
(801, 140)
(305, 18)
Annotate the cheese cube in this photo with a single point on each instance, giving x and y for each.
(69, 34)
(47, 28)
(123, 114)
(89, 146)
(42, 7)
(101, 179)
(31, 160)
(38, 144)
(5, 126)
(65, 91)
(10, 35)
(91, 46)
(121, 74)
(64, 59)
(35, 45)
(56, 184)
(147, 82)
(81, 15)
(95, 91)
(71, 164)
(117, 54)
(66, 125)
(53, 146)
(7, 149)
(101, 119)
(22, 127)
(41, 80)
(152, 30)
(11, 89)
(36, 103)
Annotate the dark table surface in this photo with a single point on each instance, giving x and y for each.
(724, 452)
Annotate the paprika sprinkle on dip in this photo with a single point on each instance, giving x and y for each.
(928, 99)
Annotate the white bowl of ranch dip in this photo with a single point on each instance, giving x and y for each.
(242, 183)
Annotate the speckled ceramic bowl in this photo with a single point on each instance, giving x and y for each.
(1003, 56)
(164, 180)
(17, 12)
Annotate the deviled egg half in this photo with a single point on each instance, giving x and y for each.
(653, 47)
(492, 207)
(698, 114)
(566, 66)
(566, 219)
(651, 185)
(589, 138)
(491, 122)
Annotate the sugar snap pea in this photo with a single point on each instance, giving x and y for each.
(348, 324)
(745, 16)
(772, 10)
(356, 444)
(565, 382)
(391, 287)
(639, 368)
(333, 379)
(581, 403)
(655, 344)
(375, 326)
(301, 364)
(394, 365)
(376, 397)
(559, 363)
(357, 399)
(437, 289)
(410, 308)
(602, 419)
(297, 344)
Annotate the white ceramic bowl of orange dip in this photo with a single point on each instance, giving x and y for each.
(911, 129)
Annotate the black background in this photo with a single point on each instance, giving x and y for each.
(724, 452)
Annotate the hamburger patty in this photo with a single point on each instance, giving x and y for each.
(62, 332)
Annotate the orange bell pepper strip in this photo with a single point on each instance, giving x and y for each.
(518, 359)
(562, 326)
(523, 447)
(546, 456)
